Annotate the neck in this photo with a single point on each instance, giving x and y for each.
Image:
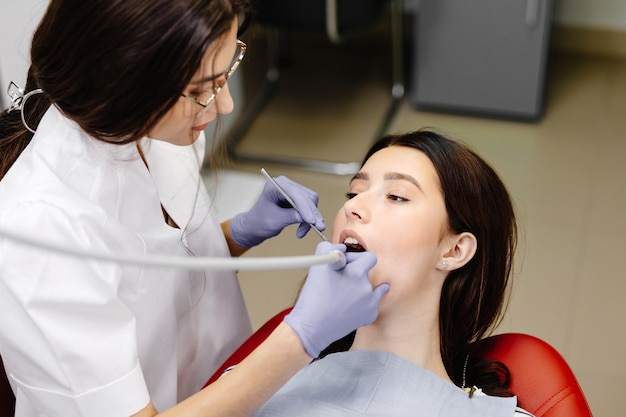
(415, 338)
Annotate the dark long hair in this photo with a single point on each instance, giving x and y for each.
(115, 67)
(474, 296)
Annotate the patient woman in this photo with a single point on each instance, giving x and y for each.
(442, 226)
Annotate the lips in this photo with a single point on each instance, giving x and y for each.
(200, 128)
(352, 241)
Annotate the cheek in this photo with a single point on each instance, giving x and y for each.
(395, 258)
(404, 254)
(175, 126)
(338, 225)
(181, 117)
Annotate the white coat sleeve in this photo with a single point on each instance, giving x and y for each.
(68, 341)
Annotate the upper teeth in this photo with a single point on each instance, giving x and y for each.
(351, 241)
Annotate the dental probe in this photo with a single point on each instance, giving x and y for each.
(341, 262)
(291, 202)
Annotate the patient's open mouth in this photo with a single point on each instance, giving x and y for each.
(353, 245)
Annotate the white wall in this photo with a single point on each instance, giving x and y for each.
(19, 19)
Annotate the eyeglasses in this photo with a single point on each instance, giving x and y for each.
(239, 54)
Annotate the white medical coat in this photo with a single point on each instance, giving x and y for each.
(90, 338)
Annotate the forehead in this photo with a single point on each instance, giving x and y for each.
(403, 160)
(217, 58)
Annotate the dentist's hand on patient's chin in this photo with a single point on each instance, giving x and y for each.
(332, 302)
(272, 213)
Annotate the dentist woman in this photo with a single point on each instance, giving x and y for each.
(102, 150)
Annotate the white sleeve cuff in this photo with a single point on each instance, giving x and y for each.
(124, 397)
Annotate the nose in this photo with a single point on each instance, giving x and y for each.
(356, 208)
(224, 103)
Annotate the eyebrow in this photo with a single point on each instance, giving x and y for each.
(208, 78)
(359, 176)
(389, 176)
(399, 176)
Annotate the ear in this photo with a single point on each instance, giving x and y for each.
(463, 247)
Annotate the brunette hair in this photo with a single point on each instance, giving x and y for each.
(474, 296)
(115, 67)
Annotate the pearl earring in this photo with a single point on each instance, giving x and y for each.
(444, 265)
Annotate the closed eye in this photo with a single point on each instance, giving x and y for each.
(212, 86)
(350, 195)
(397, 198)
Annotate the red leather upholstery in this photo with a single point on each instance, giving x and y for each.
(249, 345)
(542, 380)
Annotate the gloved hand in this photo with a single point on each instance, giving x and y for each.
(333, 303)
(271, 214)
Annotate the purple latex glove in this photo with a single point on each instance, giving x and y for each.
(271, 214)
(333, 303)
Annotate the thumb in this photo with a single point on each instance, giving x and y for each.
(379, 291)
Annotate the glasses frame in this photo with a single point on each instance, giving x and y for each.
(216, 90)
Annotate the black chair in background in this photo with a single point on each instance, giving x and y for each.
(339, 18)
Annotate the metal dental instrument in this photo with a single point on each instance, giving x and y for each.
(291, 202)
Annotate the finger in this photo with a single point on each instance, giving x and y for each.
(354, 256)
(306, 200)
(291, 216)
(361, 260)
(311, 215)
(324, 248)
(272, 194)
(379, 291)
(303, 230)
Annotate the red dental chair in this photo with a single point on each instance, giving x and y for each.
(542, 380)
